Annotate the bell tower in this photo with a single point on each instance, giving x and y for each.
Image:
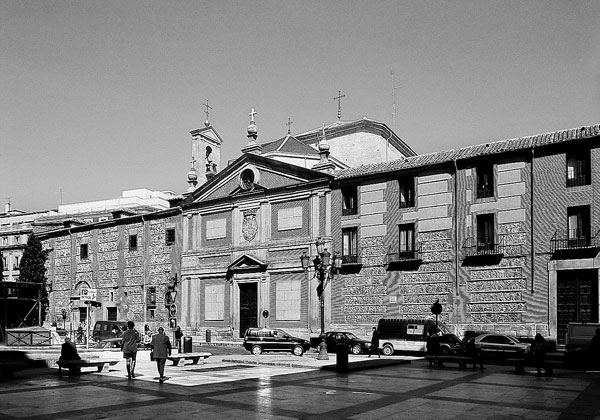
(206, 153)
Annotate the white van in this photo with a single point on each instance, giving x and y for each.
(405, 334)
(579, 335)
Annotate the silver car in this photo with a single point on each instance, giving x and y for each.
(501, 345)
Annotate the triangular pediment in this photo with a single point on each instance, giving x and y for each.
(252, 174)
(247, 263)
(208, 133)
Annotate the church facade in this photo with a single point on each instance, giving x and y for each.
(504, 235)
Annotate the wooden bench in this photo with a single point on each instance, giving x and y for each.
(520, 364)
(179, 359)
(462, 361)
(75, 366)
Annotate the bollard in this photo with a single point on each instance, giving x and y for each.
(341, 362)
(187, 344)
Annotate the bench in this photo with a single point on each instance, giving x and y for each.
(179, 359)
(75, 366)
(520, 364)
(462, 361)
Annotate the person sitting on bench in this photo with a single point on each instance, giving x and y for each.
(68, 351)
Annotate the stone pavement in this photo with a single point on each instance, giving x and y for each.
(230, 387)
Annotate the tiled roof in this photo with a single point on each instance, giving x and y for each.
(288, 145)
(497, 147)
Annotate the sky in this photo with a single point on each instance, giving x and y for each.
(97, 97)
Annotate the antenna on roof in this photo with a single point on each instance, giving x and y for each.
(289, 125)
(394, 87)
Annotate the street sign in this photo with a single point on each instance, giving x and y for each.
(88, 294)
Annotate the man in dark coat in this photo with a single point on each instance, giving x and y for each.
(161, 348)
(375, 343)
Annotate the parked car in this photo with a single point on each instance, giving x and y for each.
(399, 334)
(355, 344)
(108, 329)
(450, 344)
(109, 343)
(257, 340)
(500, 345)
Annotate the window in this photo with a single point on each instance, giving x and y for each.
(349, 246)
(407, 192)
(151, 296)
(578, 169)
(111, 314)
(578, 225)
(170, 236)
(485, 181)
(16, 263)
(5, 263)
(406, 245)
(349, 205)
(485, 232)
(83, 251)
(133, 242)
(17, 239)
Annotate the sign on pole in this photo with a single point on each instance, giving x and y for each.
(88, 294)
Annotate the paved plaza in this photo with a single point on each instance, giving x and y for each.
(236, 387)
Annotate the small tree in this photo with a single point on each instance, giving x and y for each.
(33, 269)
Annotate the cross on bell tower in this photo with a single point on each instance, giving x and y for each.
(339, 99)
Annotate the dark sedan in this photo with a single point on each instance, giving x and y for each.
(355, 344)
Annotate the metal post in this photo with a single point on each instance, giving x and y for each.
(322, 301)
(87, 337)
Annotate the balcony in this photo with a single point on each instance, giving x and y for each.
(578, 180)
(486, 252)
(485, 192)
(574, 243)
(351, 263)
(406, 260)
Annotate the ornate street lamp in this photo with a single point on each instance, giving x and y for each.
(325, 266)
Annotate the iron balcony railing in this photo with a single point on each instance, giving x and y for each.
(349, 211)
(573, 239)
(474, 247)
(578, 180)
(350, 259)
(485, 192)
(405, 255)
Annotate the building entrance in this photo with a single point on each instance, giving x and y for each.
(248, 306)
(577, 299)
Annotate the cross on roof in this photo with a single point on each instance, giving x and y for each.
(252, 114)
(193, 161)
(339, 99)
(207, 106)
(289, 124)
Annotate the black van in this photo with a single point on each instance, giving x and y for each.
(108, 329)
(397, 334)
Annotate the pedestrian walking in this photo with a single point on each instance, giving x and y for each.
(129, 344)
(161, 349)
(472, 351)
(538, 348)
(178, 335)
(375, 343)
(433, 346)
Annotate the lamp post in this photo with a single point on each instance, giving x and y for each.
(325, 266)
(436, 309)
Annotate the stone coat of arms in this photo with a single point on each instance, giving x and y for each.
(249, 225)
